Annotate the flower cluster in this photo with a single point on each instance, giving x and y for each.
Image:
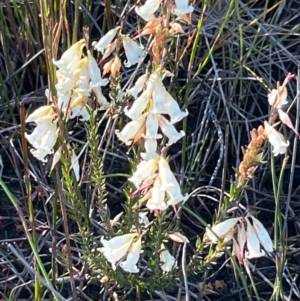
(277, 100)
(78, 77)
(153, 114)
(255, 237)
(109, 42)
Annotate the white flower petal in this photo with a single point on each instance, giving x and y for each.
(152, 127)
(221, 229)
(145, 170)
(130, 130)
(129, 265)
(169, 183)
(138, 106)
(40, 113)
(138, 86)
(70, 57)
(169, 130)
(183, 7)
(253, 244)
(150, 145)
(94, 73)
(168, 260)
(116, 248)
(105, 41)
(157, 200)
(276, 139)
(173, 109)
(43, 139)
(133, 51)
(158, 97)
(147, 10)
(262, 235)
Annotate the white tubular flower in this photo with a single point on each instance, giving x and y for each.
(44, 136)
(150, 145)
(280, 99)
(43, 139)
(221, 229)
(94, 73)
(147, 10)
(105, 41)
(163, 102)
(158, 99)
(41, 114)
(132, 130)
(168, 260)
(129, 265)
(262, 234)
(169, 183)
(253, 244)
(64, 84)
(138, 106)
(116, 248)
(138, 86)
(153, 82)
(183, 7)
(70, 60)
(143, 219)
(157, 200)
(75, 51)
(145, 170)
(173, 108)
(276, 139)
(80, 111)
(152, 126)
(133, 51)
(169, 130)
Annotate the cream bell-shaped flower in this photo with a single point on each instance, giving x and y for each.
(276, 139)
(130, 264)
(169, 130)
(262, 234)
(147, 10)
(138, 86)
(133, 51)
(152, 124)
(145, 170)
(278, 98)
(116, 248)
(163, 102)
(169, 262)
(94, 73)
(41, 114)
(157, 200)
(253, 245)
(132, 131)
(70, 60)
(44, 136)
(169, 183)
(106, 40)
(182, 7)
(43, 139)
(138, 106)
(150, 145)
(221, 230)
